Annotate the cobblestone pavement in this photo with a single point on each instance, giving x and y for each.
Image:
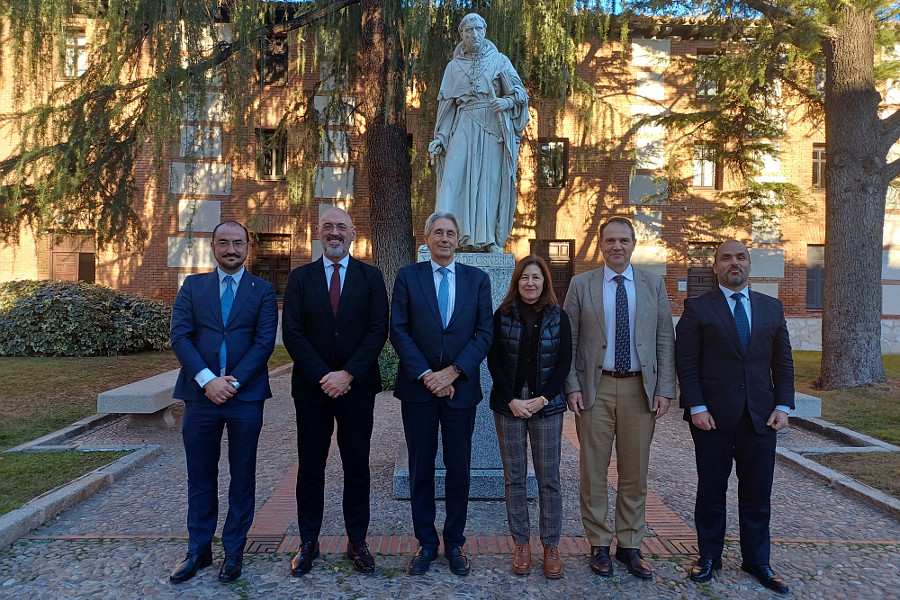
(124, 541)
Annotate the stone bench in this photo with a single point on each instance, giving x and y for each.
(806, 406)
(149, 401)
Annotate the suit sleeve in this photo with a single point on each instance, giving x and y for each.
(255, 361)
(183, 331)
(366, 353)
(412, 361)
(782, 364)
(473, 353)
(687, 356)
(665, 345)
(572, 306)
(306, 359)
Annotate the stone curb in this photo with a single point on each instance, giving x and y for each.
(840, 481)
(66, 433)
(842, 434)
(31, 515)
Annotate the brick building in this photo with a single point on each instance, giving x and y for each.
(575, 171)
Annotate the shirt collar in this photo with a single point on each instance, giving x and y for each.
(451, 267)
(745, 291)
(608, 273)
(344, 262)
(237, 276)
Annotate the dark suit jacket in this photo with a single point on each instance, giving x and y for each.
(320, 343)
(197, 333)
(420, 341)
(714, 370)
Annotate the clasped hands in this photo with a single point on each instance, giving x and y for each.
(524, 409)
(440, 383)
(219, 389)
(336, 383)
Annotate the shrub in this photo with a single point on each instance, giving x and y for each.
(65, 318)
(387, 364)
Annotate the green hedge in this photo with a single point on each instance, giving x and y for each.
(387, 364)
(64, 318)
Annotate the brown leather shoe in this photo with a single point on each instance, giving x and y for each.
(522, 559)
(552, 564)
(636, 564)
(601, 564)
(358, 553)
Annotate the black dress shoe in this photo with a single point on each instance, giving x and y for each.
(231, 568)
(767, 577)
(190, 565)
(302, 563)
(703, 569)
(635, 563)
(601, 564)
(459, 564)
(421, 562)
(362, 559)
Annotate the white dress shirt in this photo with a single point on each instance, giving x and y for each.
(609, 312)
(451, 273)
(329, 268)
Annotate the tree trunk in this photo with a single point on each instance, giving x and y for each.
(855, 201)
(386, 153)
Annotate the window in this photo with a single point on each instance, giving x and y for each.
(706, 86)
(76, 53)
(706, 167)
(815, 276)
(553, 160)
(271, 154)
(273, 65)
(273, 260)
(818, 167)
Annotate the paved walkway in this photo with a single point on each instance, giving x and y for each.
(123, 541)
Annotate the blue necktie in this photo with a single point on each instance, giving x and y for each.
(623, 337)
(740, 319)
(227, 301)
(444, 295)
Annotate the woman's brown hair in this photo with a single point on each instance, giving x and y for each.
(548, 296)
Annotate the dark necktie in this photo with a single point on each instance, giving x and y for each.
(227, 301)
(623, 337)
(444, 295)
(334, 290)
(740, 319)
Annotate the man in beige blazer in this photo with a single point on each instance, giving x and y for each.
(622, 380)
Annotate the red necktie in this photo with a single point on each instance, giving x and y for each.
(334, 289)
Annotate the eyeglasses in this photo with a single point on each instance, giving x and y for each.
(225, 244)
(326, 227)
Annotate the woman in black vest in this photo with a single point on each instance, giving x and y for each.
(529, 361)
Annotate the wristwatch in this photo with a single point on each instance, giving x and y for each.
(457, 369)
(546, 402)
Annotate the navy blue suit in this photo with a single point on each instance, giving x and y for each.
(197, 333)
(320, 342)
(740, 389)
(422, 343)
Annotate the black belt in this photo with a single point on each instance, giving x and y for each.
(624, 375)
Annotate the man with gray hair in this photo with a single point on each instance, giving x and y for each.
(482, 112)
(441, 328)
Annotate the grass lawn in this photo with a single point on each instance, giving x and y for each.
(873, 410)
(41, 395)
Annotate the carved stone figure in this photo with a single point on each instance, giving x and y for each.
(482, 112)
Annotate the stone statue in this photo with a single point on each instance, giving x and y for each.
(482, 112)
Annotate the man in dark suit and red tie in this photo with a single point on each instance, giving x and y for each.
(441, 328)
(223, 332)
(733, 358)
(334, 325)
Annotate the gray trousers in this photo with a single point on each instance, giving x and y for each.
(546, 443)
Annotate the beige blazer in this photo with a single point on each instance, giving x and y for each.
(654, 335)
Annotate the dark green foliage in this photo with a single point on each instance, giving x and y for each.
(387, 364)
(63, 318)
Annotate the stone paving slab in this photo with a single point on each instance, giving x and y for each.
(123, 541)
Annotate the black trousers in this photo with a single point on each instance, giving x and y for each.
(753, 455)
(315, 425)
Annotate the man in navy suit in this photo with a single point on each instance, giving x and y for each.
(334, 325)
(223, 333)
(441, 328)
(733, 358)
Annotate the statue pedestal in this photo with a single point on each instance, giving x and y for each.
(487, 468)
